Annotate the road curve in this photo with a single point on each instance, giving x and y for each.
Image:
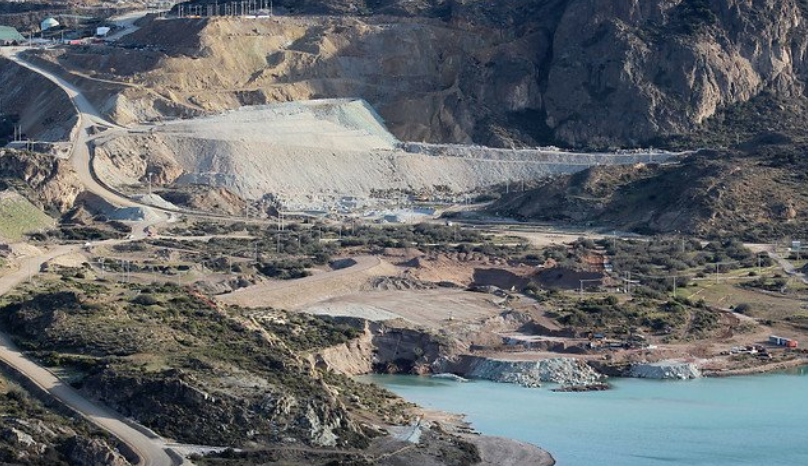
(150, 451)
(80, 153)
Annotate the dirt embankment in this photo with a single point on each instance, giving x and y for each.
(48, 182)
(45, 112)
(323, 148)
(430, 81)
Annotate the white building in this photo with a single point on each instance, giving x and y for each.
(48, 23)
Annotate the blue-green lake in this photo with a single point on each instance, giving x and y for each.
(755, 420)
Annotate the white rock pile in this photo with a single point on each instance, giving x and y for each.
(665, 370)
(564, 371)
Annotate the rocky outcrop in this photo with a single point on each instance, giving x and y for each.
(564, 371)
(178, 405)
(53, 183)
(91, 452)
(625, 71)
(385, 348)
(663, 370)
(352, 358)
(33, 434)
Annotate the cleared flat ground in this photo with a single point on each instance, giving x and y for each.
(345, 292)
(295, 294)
(430, 308)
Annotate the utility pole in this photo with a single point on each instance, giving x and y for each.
(717, 264)
(674, 286)
(628, 284)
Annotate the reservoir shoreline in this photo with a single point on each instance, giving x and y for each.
(712, 421)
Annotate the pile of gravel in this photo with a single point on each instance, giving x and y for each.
(135, 214)
(664, 370)
(564, 371)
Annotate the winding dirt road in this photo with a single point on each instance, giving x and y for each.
(150, 450)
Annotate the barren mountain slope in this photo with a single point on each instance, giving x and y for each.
(581, 72)
(43, 111)
(48, 182)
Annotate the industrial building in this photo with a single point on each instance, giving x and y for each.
(48, 23)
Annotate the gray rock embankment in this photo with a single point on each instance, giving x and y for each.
(498, 451)
(665, 370)
(564, 371)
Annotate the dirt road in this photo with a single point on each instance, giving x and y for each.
(150, 451)
(80, 153)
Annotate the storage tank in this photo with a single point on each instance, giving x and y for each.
(48, 23)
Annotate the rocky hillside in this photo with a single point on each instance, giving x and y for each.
(751, 187)
(188, 370)
(576, 72)
(755, 194)
(31, 434)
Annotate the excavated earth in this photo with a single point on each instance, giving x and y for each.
(328, 148)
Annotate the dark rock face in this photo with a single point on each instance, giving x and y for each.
(627, 71)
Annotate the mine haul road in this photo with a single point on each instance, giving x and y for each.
(88, 117)
(150, 451)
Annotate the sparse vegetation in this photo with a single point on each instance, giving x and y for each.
(135, 353)
(18, 217)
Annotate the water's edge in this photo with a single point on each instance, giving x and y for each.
(727, 421)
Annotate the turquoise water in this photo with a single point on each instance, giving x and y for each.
(756, 420)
